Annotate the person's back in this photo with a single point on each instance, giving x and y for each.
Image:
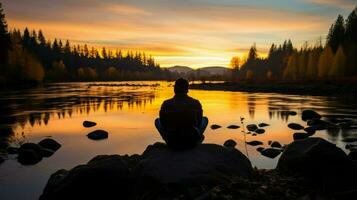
(181, 123)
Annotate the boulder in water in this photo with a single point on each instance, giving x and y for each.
(270, 152)
(295, 126)
(275, 144)
(309, 114)
(260, 131)
(254, 143)
(215, 126)
(89, 124)
(98, 135)
(263, 125)
(260, 149)
(310, 130)
(29, 154)
(49, 143)
(233, 127)
(252, 127)
(300, 136)
(230, 143)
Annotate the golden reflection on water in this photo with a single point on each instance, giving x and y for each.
(127, 113)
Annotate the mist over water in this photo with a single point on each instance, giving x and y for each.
(127, 110)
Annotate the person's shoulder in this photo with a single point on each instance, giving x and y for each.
(195, 101)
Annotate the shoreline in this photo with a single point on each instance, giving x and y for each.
(299, 88)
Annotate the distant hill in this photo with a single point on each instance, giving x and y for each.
(212, 70)
(180, 69)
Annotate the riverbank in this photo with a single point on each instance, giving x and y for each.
(326, 88)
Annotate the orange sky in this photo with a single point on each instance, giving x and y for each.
(195, 33)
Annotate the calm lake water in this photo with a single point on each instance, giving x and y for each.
(127, 111)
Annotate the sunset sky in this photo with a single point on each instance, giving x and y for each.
(194, 33)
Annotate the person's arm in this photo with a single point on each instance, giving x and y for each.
(199, 113)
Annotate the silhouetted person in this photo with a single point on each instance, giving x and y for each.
(181, 124)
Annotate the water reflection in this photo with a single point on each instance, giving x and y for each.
(127, 112)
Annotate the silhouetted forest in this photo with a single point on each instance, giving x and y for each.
(334, 60)
(29, 57)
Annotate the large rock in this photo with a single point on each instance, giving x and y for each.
(321, 162)
(295, 126)
(270, 152)
(103, 177)
(49, 143)
(252, 127)
(230, 143)
(309, 114)
(203, 164)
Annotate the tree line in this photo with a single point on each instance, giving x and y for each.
(29, 57)
(336, 59)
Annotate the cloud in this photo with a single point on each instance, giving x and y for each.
(344, 4)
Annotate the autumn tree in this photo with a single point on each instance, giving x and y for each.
(325, 62)
(4, 40)
(338, 68)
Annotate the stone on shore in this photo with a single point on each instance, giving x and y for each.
(49, 143)
(295, 126)
(89, 124)
(309, 114)
(321, 162)
(203, 164)
(353, 155)
(230, 143)
(310, 130)
(98, 135)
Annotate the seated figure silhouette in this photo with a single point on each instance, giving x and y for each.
(181, 124)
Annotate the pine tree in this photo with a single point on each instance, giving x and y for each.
(336, 34)
(252, 55)
(351, 27)
(4, 39)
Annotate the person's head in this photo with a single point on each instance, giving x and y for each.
(181, 86)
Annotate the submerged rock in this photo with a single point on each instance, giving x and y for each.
(29, 154)
(230, 143)
(275, 144)
(98, 135)
(233, 127)
(203, 164)
(263, 125)
(252, 127)
(271, 152)
(49, 143)
(215, 126)
(300, 136)
(103, 177)
(321, 162)
(89, 124)
(295, 126)
(254, 143)
(260, 131)
(309, 114)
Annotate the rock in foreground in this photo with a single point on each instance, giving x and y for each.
(144, 177)
(203, 164)
(321, 162)
(49, 143)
